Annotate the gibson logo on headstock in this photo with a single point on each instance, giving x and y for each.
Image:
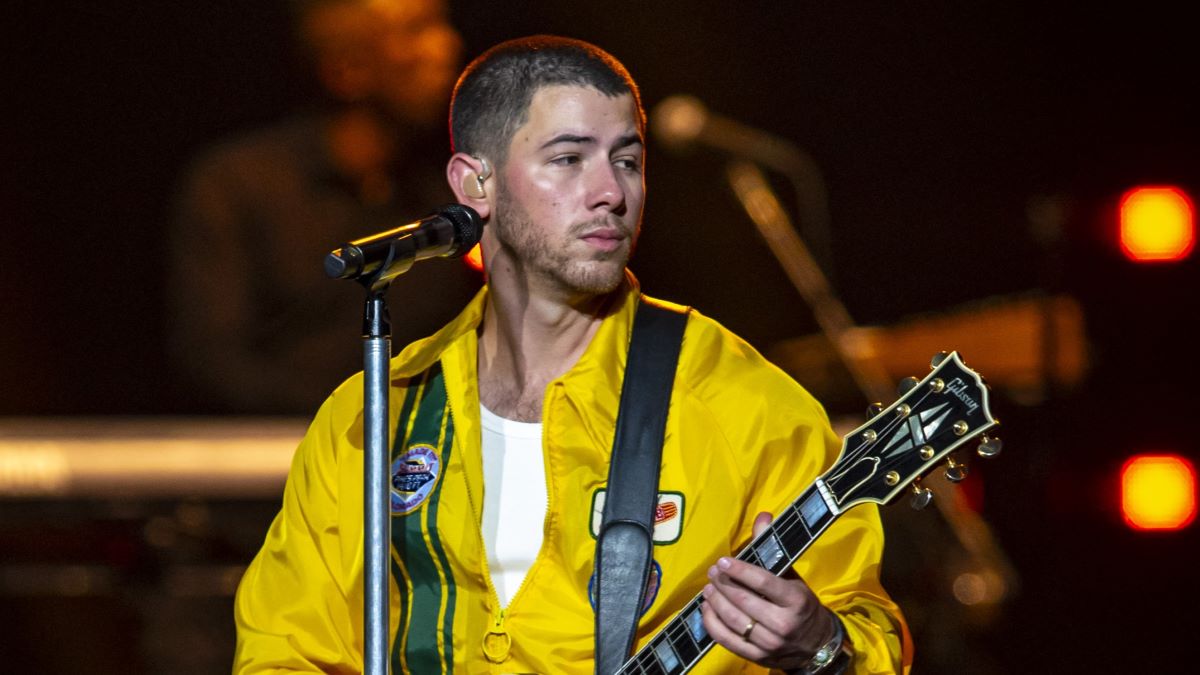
(959, 389)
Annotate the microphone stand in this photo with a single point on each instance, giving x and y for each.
(377, 352)
(373, 262)
(450, 232)
(756, 197)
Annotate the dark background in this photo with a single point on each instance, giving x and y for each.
(937, 126)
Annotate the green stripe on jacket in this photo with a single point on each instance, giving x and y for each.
(424, 436)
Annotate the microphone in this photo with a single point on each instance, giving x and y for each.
(682, 120)
(448, 232)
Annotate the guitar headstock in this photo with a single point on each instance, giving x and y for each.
(908, 439)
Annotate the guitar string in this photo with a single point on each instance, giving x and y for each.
(792, 517)
(673, 631)
(676, 629)
(857, 453)
(785, 528)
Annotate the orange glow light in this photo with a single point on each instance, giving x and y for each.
(474, 258)
(1158, 492)
(1157, 224)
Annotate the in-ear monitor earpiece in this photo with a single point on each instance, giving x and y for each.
(472, 183)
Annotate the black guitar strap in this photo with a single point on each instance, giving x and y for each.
(625, 540)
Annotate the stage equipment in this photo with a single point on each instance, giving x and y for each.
(449, 232)
(681, 121)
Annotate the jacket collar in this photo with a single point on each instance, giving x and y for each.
(418, 356)
(603, 358)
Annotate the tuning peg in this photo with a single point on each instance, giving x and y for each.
(938, 358)
(921, 497)
(990, 447)
(906, 385)
(955, 472)
(874, 409)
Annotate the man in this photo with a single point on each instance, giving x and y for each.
(548, 139)
(256, 326)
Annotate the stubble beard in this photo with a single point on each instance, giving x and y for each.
(598, 273)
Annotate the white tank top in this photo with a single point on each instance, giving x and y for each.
(514, 499)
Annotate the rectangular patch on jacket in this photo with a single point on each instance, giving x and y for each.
(668, 515)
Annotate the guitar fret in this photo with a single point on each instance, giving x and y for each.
(749, 555)
(687, 648)
(814, 511)
(648, 663)
(770, 551)
(693, 639)
(677, 647)
(667, 658)
(795, 535)
(693, 621)
(653, 667)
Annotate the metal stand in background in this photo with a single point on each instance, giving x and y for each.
(755, 195)
(761, 204)
(377, 352)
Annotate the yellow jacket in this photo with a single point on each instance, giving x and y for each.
(741, 438)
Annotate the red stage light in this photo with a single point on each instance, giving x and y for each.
(1158, 492)
(1158, 224)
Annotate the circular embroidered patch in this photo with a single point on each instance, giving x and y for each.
(414, 474)
(652, 585)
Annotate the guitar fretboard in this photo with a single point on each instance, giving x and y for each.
(683, 641)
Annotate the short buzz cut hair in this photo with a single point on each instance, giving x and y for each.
(492, 97)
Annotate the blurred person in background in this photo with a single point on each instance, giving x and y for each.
(255, 325)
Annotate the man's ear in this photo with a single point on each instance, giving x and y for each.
(470, 179)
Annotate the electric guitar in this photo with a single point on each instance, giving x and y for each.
(879, 460)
